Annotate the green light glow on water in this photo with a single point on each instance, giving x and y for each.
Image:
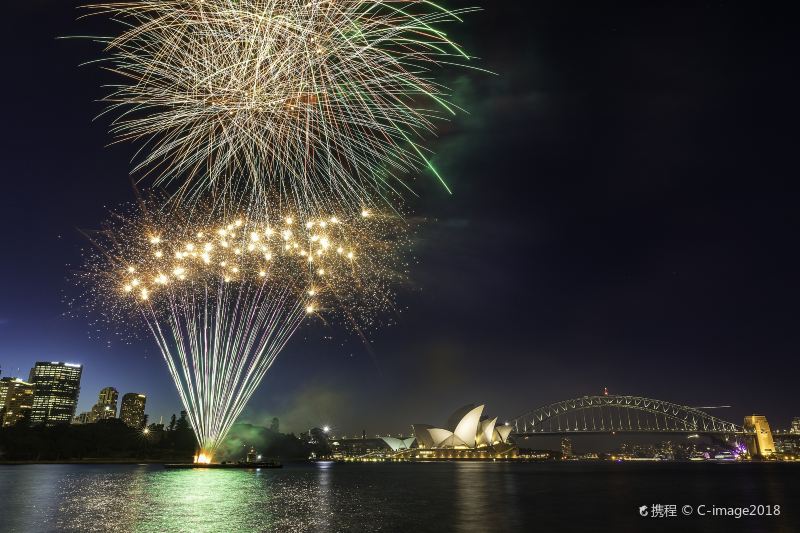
(206, 499)
(151, 499)
(220, 500)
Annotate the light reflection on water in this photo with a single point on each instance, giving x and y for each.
(461, 497)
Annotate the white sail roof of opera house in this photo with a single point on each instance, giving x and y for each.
(466, 429)
(503, 432)
(399, 444)
(486, 431)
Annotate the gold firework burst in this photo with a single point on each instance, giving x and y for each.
(325, 103)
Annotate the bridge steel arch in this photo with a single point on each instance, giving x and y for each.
(625, 414)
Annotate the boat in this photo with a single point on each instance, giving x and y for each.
(724, 456)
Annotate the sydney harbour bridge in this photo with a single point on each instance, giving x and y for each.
(609, 413)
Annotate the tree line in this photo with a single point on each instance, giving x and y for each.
(113, 440)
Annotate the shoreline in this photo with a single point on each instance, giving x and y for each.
(93, 461)
(101, 461)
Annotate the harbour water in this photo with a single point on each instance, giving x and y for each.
(460, 497)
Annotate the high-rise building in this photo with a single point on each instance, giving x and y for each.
(132, 409)
(795, 427)
(4, 385)
(106, 406)
(55, 393)
(16, 401)
(82, 418)
(566, 447)
(759, 443)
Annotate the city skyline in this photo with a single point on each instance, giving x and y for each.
(629, 267)
(132, 410)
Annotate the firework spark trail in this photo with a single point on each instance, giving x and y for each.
(214, 370)
(325, 104)
(223, 299)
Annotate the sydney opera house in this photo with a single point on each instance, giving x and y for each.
(467, 435)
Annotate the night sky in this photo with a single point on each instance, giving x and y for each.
(623, 216)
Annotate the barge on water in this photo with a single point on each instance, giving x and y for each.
(250, 465)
